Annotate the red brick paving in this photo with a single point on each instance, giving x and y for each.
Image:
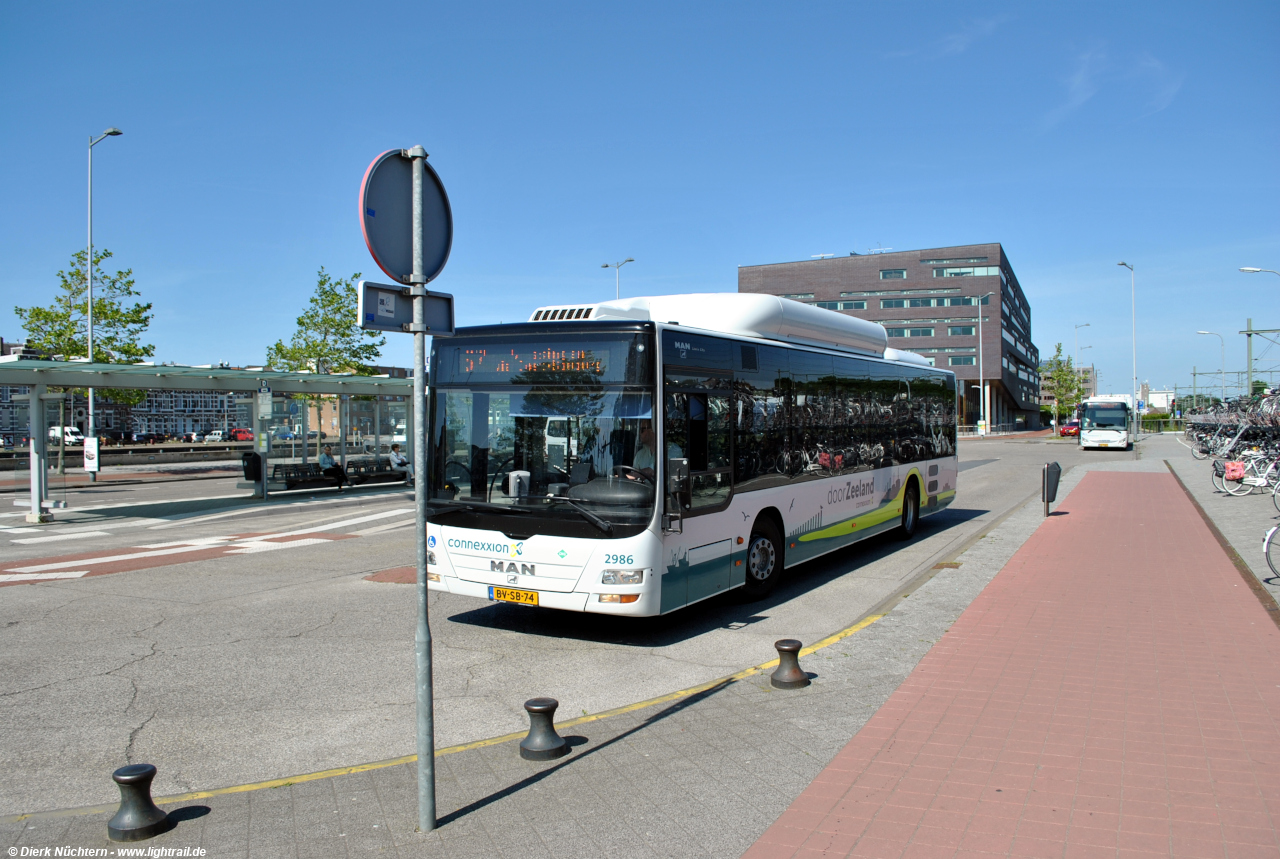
(1113, 691)
(151, 558)
(395, 575)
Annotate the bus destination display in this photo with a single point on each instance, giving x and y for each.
(514, 361)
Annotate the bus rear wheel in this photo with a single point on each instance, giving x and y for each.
(910, 512)
(764, 559)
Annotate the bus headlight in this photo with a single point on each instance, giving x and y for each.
(622, 577)
(619, 598)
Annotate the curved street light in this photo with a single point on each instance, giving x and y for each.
(1133, 301)
(1251, 270)
(1224, 363)
(110, 132)
(617, 278)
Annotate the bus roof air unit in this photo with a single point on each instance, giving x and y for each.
(765, 316)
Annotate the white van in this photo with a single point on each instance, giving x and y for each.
(215, 436)
(67, 435)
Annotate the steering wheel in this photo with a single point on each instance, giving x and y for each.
(632, 473)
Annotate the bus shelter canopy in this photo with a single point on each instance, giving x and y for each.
(20, 370)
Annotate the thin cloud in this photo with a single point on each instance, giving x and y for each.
(1082, 85)
(960, 41)
(953, 43)
(1163, 81)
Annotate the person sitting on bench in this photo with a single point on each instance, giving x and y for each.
(331, 469)
(400, 462)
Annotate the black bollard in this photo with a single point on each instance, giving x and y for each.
(543, 743)
(138, 818)
(788, 674)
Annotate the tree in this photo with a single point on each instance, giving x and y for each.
(1063, 382)
(329, 338)
(62, 328)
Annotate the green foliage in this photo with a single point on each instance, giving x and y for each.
(329, 338)
(1063, 382)
(118, 325)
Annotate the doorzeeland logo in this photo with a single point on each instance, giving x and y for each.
(851, 491)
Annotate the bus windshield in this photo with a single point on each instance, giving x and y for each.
(1106, 416)
(530, 436)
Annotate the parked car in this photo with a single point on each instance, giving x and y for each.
(193, 437)
(283, 434)
(68, 435)
(311, 435)
(240, 434)
(149, 438)
(1070, 428)
(215, 437)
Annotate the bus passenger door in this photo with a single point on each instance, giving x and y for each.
(698, 428)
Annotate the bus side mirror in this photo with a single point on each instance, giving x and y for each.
(677, 476)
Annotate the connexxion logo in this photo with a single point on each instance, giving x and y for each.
(513, 551)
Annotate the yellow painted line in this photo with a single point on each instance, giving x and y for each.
(478, 744)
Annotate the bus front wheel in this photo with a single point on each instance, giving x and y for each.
(764, 559)
(910, 512)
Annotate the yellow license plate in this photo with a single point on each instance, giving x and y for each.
(512, 595)
(1103, 444)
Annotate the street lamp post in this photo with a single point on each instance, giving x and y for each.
(1078, 327)
(1251, 270)
(1133, 300)
(110, 132)
(1224, 362)
(982, 382)
(617, 276)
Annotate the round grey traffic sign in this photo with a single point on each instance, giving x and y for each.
(386, 216)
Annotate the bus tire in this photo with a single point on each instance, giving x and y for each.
(764, 559)
(910, 512)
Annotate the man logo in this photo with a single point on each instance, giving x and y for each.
(504, 567)
(511, 580)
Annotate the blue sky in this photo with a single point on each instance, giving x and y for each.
(693, 137)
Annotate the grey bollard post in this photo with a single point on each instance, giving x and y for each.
(542, 743)
(138, 818)
(788, 674)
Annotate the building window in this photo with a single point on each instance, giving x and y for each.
(960, 331)
(886, 303)
(968, 271)
(920, 302)
(909, 332)
(961, 360)
(797, 296)
(964, 261)
(893, 274)
(841, 305)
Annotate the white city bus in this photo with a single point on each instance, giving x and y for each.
(788, 432)
(1104, 423)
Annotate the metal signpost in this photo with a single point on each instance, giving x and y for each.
(408, 226)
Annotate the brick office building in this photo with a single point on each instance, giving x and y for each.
(928, 301)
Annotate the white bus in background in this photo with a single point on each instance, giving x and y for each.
(1105, 423)
(786, 432)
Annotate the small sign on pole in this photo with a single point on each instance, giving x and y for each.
(91, 460)
(387, 307)
(264, 404)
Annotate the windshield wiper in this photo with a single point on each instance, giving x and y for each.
(447, 506)
(603, 524)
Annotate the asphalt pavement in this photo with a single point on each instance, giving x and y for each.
(261, 665)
